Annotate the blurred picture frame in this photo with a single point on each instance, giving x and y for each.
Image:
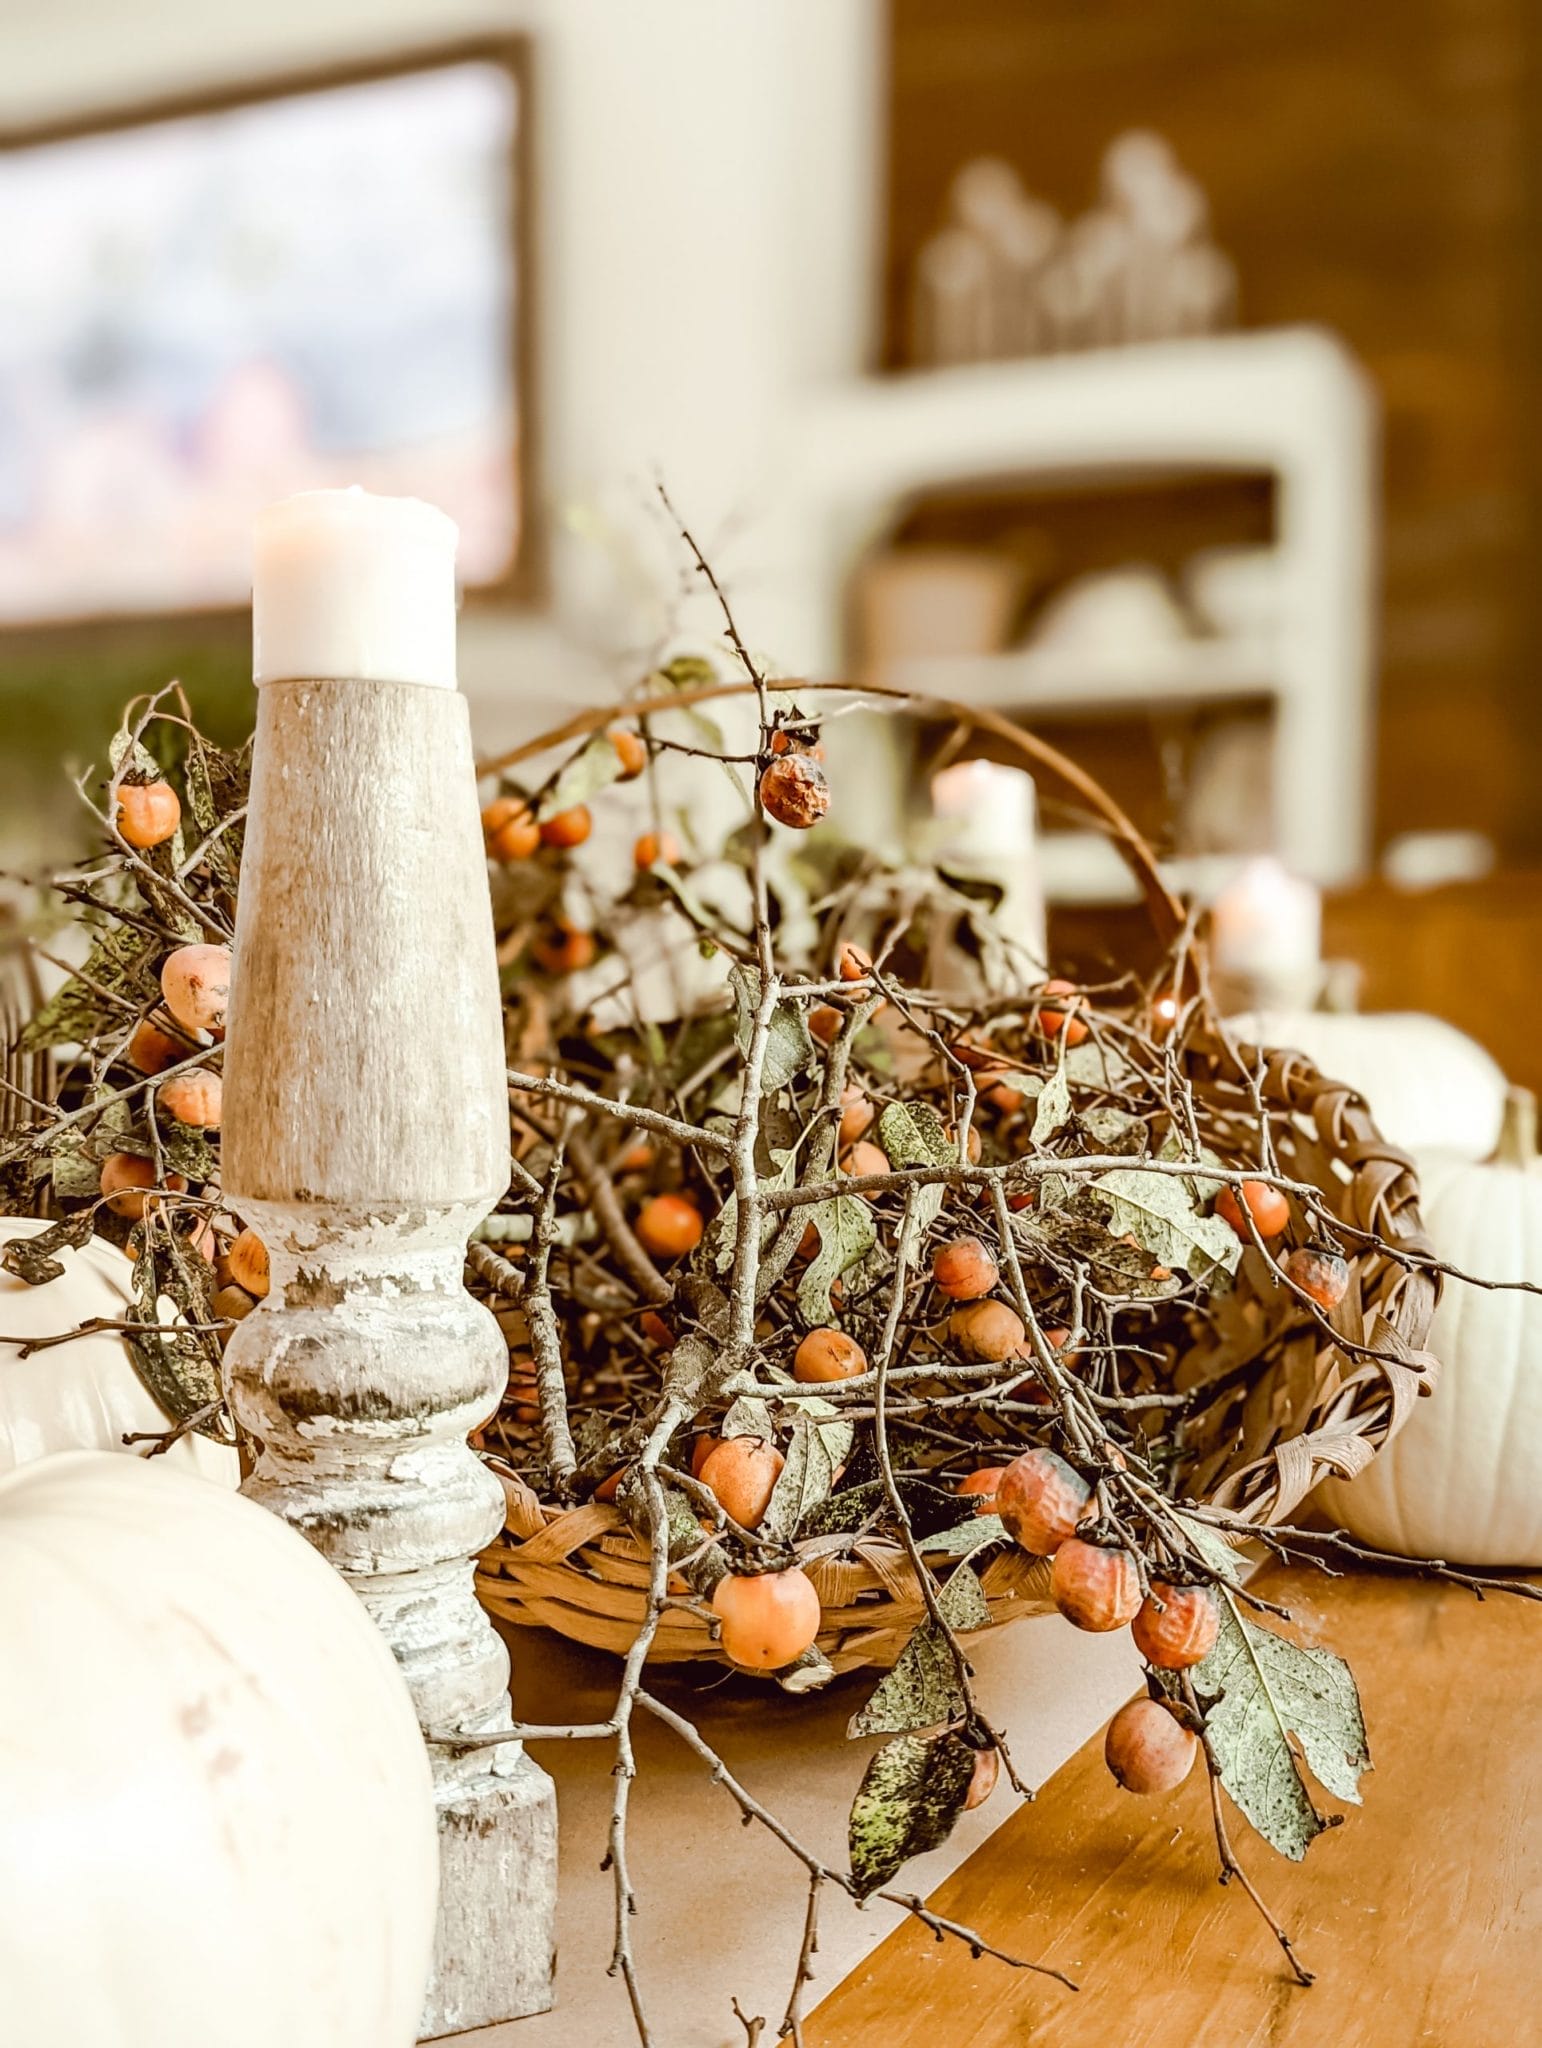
(211, 301)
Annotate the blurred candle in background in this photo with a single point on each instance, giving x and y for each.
(345, 583)
(986, 828)
(1266, 938)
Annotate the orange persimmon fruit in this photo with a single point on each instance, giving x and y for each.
(248, 1257)
(195, 981)
(1063, 1018)
(194, 1098)
(669, 1226)
(741, 1472)
(567, 828)
(1176, 1625)
(148, 813)
(1041, 1499)
(1147, 1748)
(827, 1354)
(125, 1179)
(1266, 1205)
(964, 1270)
(768, 1620)
(1096, 1586)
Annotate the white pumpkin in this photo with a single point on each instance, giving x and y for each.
(1430, 1087)
(216, 1817)
(84, 1395)
(1462, 1479)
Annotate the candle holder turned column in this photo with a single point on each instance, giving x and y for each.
(365, 1134)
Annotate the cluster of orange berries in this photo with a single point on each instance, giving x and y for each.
(195, 992)
(195, 996)
(1043, 1502)
(1254, 1209)
(511, 832)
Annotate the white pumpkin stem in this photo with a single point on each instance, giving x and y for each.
(1518, 1132)
(365, 1134)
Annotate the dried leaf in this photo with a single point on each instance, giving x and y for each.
(811, 1673)
(819, 1445)
(846, 1234)
(82, 1008)
(967, 1537)
(1052, 1111)
(717, 1247)
(31, 1258)
(179, 1369)
(143, 766)
(188, 1151)
(922, 1689)
(1101, 1066)
(749, 1416)
(789, 1049)
(1159, 1210)
(593, 768)
(1108, 1129)
(913, 1134)
(76, 1176)
(935, 1514)
(686, 672)
(216, 784)
(1269, 1690)
(911, 1794)
(1070, 1234)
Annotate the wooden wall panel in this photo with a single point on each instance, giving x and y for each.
(1372, 167)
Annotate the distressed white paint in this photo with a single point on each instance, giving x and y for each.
(366, 1131)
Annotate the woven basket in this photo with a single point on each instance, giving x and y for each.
(1289, 1404)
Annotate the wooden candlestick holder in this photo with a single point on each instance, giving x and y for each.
(365, 1134)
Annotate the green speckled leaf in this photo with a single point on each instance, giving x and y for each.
(966, 1538)
(31, 1258)
(1160, 1212)
(1271, 1690)
(179, 1368)
(119, 965)
(922, 1688)
(911, 1794)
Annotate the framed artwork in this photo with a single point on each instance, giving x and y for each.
(205, 305)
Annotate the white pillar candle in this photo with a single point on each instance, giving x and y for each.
(1266, 929)
(991, 809)
(986, 826)
(345, 583)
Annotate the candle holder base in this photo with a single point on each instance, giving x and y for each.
(495, 1943)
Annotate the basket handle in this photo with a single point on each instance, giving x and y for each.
(1165, 911)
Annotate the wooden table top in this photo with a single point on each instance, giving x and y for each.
(1421, 1916)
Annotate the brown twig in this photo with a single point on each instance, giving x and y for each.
(1230, 1867)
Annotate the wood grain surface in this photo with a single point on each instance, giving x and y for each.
(1421, 1916)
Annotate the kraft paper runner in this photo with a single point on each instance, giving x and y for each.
(720, 1906)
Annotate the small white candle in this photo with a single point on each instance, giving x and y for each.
(1266, 927)
(987, 825)
(345, 583)
(993, 809)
